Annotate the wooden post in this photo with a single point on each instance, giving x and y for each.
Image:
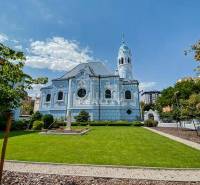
(5, 141)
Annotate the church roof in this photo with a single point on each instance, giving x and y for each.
(93, 68)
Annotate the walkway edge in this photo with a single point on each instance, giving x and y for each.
(175, 138)
(106, 172)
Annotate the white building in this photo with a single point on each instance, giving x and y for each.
(149, 97)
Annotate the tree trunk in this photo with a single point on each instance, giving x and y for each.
(5, 141)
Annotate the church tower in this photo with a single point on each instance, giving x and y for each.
(124, 61)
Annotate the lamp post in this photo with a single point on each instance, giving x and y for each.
(141, 114)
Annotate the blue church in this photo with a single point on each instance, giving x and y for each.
(92, 87)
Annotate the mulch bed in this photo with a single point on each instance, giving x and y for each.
(15, 178)
(181, 132)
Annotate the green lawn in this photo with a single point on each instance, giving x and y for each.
(103, 145)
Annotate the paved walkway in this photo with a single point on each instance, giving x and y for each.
(181, 140)
(106, 171)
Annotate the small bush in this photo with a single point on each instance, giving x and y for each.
(150, 123)
(20, 125)
(38, 125)
(48, 120)
(137, 124)
(58, 124)
(83, 116)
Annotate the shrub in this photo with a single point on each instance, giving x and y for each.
(83, 116)
(119, 123)
(36, 116)
(58, 124)
(2, 121)
(137, 124)
(38, 125)
(150, 123)
(48, 120)
(20, 125)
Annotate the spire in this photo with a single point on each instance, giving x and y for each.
(123, 41)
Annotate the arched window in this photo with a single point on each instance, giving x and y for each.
(60, 95)
(127, 94)
(48, 97)
(122, 60)
(129, 60)
(108, 93)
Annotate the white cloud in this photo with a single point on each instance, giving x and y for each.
(146, 85)
(3, 37)
(35, 92)
(18, 47)
(57, 54)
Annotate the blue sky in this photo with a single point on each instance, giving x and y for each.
(157, 31)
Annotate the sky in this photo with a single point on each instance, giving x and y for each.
(56, 35)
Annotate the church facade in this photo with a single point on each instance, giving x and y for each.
(92, 87)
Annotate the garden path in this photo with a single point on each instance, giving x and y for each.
(106, 171)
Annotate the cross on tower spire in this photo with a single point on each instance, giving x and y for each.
(123, 41)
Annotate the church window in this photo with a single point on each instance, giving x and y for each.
(108, 93)
(48, 97)
(60, 95)
(81, 93)
(129, 60)
(128, 111)
(127, 94)
(122, 60)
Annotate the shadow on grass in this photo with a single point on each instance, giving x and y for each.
(16, 133)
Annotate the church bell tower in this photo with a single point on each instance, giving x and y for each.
(124, 61)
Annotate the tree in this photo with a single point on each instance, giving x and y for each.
(13, 85)
(175, 97)
(191, 107)
(196, 49)
(83, 116)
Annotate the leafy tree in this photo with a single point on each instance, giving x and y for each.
(196, 49)
(149, 106)
(191, 107)
(166, 98)
(176, 97)
(13, 85)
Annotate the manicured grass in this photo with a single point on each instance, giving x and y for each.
(103, 145)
